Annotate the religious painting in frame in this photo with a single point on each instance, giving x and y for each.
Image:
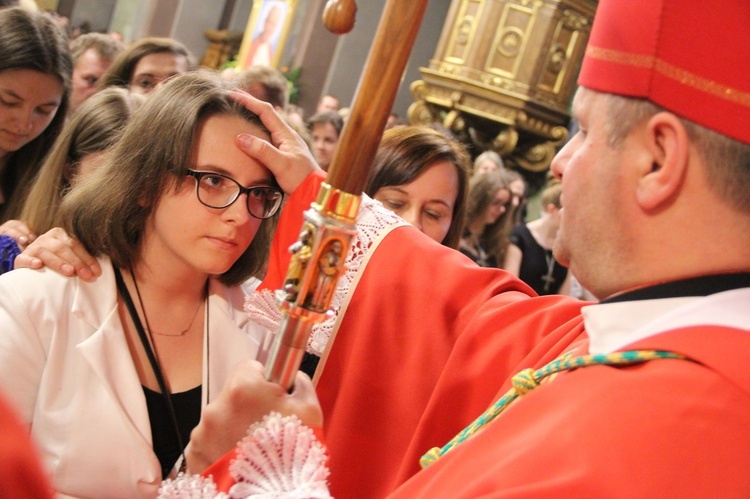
(266, 33)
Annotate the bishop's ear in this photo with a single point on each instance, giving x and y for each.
(667, 142)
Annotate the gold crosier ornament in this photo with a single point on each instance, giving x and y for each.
(318, 256)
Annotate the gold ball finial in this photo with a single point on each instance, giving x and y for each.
(339, 16)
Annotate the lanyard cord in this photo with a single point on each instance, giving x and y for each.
(151, 357)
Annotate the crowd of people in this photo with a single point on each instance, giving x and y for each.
(147, 208)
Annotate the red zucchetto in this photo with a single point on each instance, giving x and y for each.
(688, 56)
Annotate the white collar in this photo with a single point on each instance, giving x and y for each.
(611, 326)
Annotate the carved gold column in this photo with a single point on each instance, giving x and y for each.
(504, 73)
(223, 46)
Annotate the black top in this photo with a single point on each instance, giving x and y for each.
(539, 269)
(187, 408)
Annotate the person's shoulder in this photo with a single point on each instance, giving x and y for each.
(35, 281)
(47, 284)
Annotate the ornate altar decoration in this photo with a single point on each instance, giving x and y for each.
(503, 75)
(223, 46)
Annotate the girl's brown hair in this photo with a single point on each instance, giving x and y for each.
(405, 152)
(109, 210)
(93, 128)
(31, 40)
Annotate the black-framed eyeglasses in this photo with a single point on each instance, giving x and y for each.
(219, 191)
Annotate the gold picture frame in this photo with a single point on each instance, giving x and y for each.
(266, 33)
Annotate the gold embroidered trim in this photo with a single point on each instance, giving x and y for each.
(671, 71)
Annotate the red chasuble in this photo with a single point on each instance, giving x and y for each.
(412, 362)
(666, 428)
(416, 360)
(380, 385)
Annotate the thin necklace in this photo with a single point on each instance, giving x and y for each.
(152, 359)
(148, 326)
(147, 343)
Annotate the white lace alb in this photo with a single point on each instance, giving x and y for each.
(372, 220)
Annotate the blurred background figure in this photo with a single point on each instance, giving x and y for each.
(529, 254)
(91, 131)
(266, 84)
(35, 72)
(394, 121)
(519, 202)
(269, 85)
(485, 236)
(325, 128)
(93, 54)
(422, 176)
(344, 112)
(295, 114)
(328, 103)
(488, 161)
(142, 66)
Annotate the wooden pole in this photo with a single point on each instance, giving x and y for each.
(375, 94)
(330, 223)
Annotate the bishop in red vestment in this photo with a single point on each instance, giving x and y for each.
(655, 220)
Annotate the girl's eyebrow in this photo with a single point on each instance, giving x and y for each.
(396, 188)
(14, 95)
(439, 201)
(266, 180)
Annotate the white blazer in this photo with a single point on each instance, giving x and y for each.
(66, 367)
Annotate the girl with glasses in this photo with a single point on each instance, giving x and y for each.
(112, 375)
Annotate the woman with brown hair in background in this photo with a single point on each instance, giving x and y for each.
(35, 72)
(422, 176)
(92, 130)
(485, 236)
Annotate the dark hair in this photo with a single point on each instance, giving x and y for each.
(518, 212)
(32, 40)
(482, 192)
(121, 70)
(109, 210)
(405, 152)
(324, 117)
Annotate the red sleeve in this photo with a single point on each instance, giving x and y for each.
(219, 471)
(419, 309)
(287, 231)
(22, 473)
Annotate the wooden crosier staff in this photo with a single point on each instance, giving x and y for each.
(318, 256)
